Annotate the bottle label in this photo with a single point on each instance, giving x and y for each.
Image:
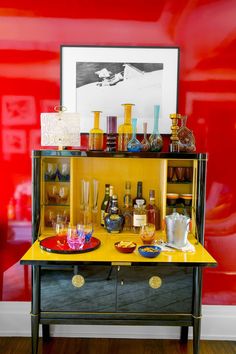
(139, 220)
(102, 217)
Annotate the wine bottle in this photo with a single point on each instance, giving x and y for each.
(139, 195)
(153, 212)
(108, 206)
(104, 202)
(127, 210)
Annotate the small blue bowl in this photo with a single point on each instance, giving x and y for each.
(149, 251)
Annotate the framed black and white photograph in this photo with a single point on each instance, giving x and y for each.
(103, 78)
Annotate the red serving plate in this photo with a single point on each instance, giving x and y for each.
(58, 244)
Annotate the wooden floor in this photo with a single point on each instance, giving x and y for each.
(12, 345)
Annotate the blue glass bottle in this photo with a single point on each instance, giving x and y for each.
(155, 139)
(134, 144)
(114, 221)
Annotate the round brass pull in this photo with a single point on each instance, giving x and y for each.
(155, 282)
(78, 281)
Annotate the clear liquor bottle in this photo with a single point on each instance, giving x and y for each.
(127, 207)
(96, 134)
(139, 216)
(153, 212)
(104, 202)
(125, 129)
(114, 221)
(139, 195)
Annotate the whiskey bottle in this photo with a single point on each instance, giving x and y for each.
(153, 212)
(104, 202)
(139, 216)
(128, 207)
(114, 221)
(139, 195)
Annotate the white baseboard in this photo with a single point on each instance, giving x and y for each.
(218, 323)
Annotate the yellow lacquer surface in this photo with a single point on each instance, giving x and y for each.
(107, 253)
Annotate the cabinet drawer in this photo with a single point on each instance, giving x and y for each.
(134, 293)
(59, 294)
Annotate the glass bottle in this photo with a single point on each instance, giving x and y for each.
(155, 139)
(104, 202)
(111, 133)
(139, 195)
(134, 144)
(96, 134)
(114, 221)
(153, 212)
(108, 206)
(174, 144)
(145, 145)
(127, 207)
(186, 137)
(139, 216)
(125, 129)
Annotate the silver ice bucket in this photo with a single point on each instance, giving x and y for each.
(177, 228)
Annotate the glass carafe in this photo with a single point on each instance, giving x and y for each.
(125, 129)
(186, 137)
(134, 144)
(96, 134)
(155, 139)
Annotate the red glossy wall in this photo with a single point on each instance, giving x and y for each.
(31, 33)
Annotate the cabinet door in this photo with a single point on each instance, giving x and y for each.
(97, 293)
(135, 292)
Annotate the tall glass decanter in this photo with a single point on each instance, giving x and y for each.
(155, 139)
(145, 143)
(134, 144)
(96, 134)
(186, 137)
(125, 129)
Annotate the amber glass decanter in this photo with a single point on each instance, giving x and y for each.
(186, 137)
(125, 129)
(96, 134)
(155, 139)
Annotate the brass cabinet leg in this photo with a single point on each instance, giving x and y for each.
(196, 335)
(184, 335)
(46, 332)
(34, 333)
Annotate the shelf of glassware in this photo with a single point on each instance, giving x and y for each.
(55, 191)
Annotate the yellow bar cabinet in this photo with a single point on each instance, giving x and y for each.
(104, 286)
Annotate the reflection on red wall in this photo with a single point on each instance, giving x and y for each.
(30, 39)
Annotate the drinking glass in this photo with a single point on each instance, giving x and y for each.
(63, 194)
(52, 194)
(179, 171)
(60, 228)
(170, 173)
(50, 172)
(147, 233)
(75, 237)
(64, 172)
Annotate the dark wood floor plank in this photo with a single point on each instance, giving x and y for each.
(14, 345)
